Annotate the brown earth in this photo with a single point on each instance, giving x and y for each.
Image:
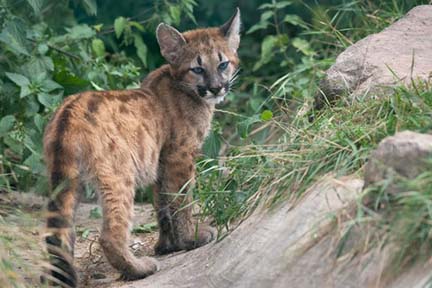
(92, 266)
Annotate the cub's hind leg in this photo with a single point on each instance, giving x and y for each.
(116, 192)
(173, 204)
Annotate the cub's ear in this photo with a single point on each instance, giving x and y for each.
(170, 42)
(231, 30)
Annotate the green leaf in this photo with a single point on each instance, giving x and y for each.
(263, 23)
(96, 213)
(25, 91)
(90, 7)
(85, 233)
(71, 82)
(39, 122)
(39, 65)
(13, 35)
(98, 47)
(145, 228)
(275, 5)
(6, 124)
(96, 86)
(303, 46)
(42, 49)
(34, 161)
(212, 145)
(137, 25)
(267, 46)
(77, 32)
(98, 27)
(11, 141)
(175, 14)
(39, 78)
(119, 25)
(82, 31)
(45, 99)
(49, 100)
(255, 103)
(22, 81)
(282, 4)
(266, 115)
(49, 85)
(36, 5)
(18, 79)
(243, 127)
(141, 48)
(31, 106)
(295, 20)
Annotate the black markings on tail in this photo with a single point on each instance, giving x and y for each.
(57, 175)
(56, 220)
(61, 254)
(63, 270)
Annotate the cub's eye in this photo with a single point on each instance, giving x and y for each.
(222, 66)
(197, 70)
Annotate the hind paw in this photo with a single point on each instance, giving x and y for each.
(145, 267)
(203, 235)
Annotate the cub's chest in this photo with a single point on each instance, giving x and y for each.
(192, 129)
(189, 138)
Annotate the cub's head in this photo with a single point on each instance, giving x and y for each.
(203, 61)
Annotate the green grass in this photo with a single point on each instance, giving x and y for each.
(338, 140)
(403, 218)
(280, 158)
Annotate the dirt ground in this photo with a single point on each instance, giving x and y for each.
(93, 268)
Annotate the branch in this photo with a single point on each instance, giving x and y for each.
(58, 50)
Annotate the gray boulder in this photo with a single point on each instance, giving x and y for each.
(401, 155)
(273, 249)
(294, 246)
(397, 55)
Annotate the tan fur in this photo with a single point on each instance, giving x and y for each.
(118, 140)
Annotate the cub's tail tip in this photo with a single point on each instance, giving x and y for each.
(61, 270)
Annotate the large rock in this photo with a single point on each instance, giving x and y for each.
(295, 245)
(264, 251)
(401, 52)
(403, 154)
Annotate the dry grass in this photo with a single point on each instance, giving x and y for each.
(22, 255)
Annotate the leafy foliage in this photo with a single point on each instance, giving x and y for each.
(42, 64)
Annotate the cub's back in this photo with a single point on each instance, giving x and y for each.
(93, 125)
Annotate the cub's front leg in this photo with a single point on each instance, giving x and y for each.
(172, 199)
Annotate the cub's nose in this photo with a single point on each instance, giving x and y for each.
(215, 90)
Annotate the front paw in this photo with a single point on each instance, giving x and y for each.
(164, 246)
(203, 235)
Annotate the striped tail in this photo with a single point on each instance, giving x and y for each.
(61, 239)
(64, 197)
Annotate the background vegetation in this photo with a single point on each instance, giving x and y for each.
(263, 145)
